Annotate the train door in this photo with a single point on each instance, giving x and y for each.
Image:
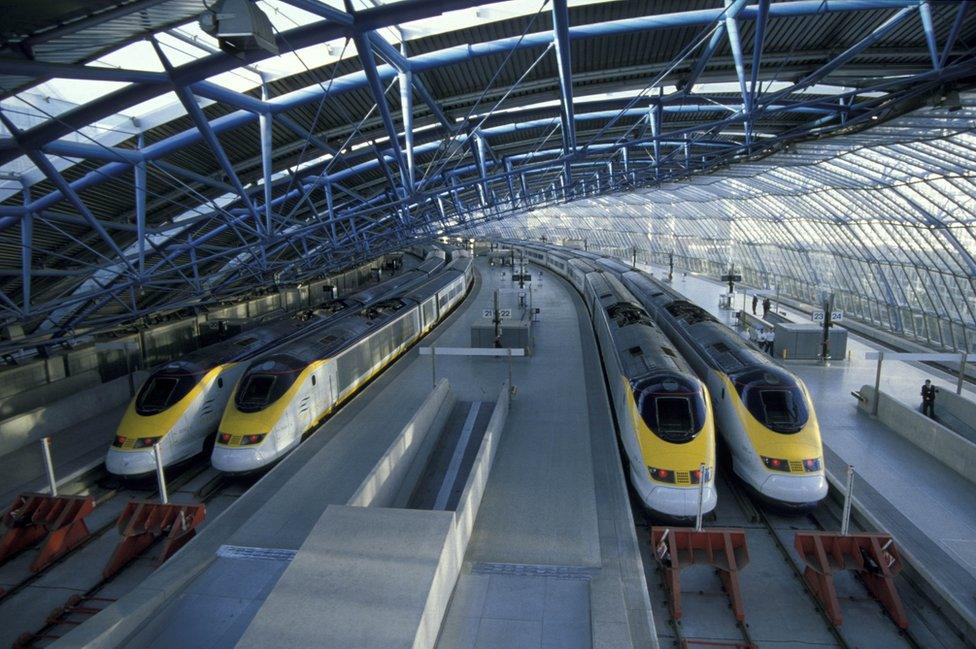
(326, 390)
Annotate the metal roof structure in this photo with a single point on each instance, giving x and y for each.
(145, 172)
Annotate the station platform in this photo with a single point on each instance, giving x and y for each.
(928, 509)
(553, 559)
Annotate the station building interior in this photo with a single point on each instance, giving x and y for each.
(488, 324)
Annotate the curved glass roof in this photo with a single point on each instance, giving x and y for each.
(144, 171)
(885, 218)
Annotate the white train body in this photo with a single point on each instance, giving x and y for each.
(282, 397)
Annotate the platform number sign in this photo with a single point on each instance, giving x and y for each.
(502, 313)
(835, 316)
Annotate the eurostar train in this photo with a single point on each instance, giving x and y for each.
(764, 413)
(180, 405)
(663, 411)
(283, 396)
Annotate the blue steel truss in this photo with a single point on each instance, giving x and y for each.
(388, 186)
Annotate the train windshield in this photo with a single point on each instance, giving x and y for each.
(167, 386)
(774, 398)
(672, 406)
(265, 383)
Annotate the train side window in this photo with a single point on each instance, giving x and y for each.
(313, 379)
(220, 382)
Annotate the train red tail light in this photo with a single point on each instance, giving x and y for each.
(146, 442)
(224, 438)
(249, 440)
(776, 464)
(813, 464)
(119, 441)
(661, 475)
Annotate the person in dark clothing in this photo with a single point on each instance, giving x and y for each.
(766, 306)
(755, 303)
(928, 399)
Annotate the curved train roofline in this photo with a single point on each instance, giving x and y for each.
(703, 331)
(191, 408)
(664, 447)
(765, 413)
(628, 313)
(277, 400)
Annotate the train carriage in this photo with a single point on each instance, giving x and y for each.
(283, 397)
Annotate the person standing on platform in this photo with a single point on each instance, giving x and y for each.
(928, 399)
(755, 303)
(766, 306)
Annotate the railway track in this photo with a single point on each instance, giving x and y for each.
(780, 607)
(83, 605)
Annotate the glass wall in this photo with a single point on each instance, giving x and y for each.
(886, 218)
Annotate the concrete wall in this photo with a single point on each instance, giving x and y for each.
(38, 395)
(388, 477)
(956, 452)
(160, 343)
(31, 426)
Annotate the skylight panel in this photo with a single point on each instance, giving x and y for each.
(75, 91)
(179, 52)
(134, 56)
(285, 16)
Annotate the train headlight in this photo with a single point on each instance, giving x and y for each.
(776, 464)
(661, 475)
(796, 466)
(696, 475)
(224, 438)
(119, 441)
(250, 440)
(146, 442)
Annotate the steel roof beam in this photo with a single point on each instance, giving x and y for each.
(560, 33)
(267, 166)
(140, 188)
(879, 32)
(381, 16)
(26, 254)
(758, 36)
(379, 96)
(732, 9)
(44, 165)
(925, 12)
(203, 126)
(953, 33)
(304, 36)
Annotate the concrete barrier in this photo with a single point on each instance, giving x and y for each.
(958, 406)
(370, 576)
(31, 426)
(389, 475)
(955, 451)
(452, 557)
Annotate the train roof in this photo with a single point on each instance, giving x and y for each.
(640, 346)
(722, 347)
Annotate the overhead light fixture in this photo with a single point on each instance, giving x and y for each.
(239, 27)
